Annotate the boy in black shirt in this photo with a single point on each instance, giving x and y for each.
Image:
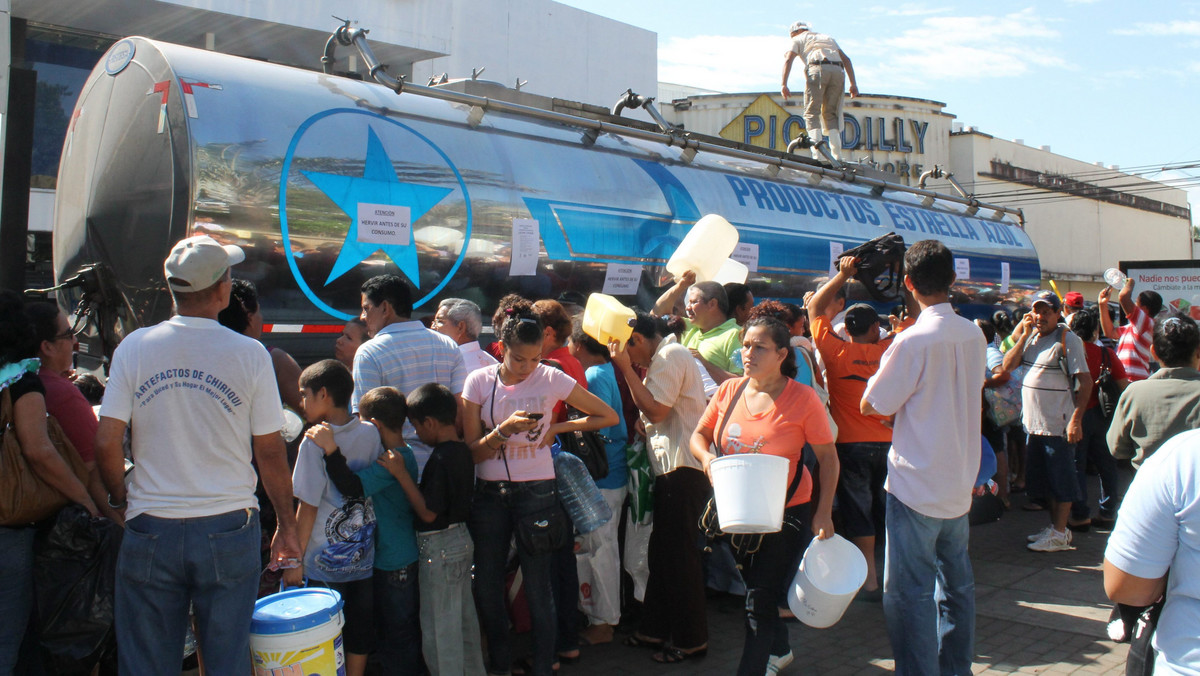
(449, 628)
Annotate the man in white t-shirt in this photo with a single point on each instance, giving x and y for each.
(200, 401)
(930, 379)
(462, 321)
(826, 68)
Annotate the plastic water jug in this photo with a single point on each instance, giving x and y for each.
(705, 248)
(585, 504)
(732, 271)
(605, 319)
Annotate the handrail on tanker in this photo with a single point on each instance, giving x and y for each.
(668, 135)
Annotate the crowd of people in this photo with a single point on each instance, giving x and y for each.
(426, 475)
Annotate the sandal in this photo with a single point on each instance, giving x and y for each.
(525, 666)
(633, 641)
(672, 655)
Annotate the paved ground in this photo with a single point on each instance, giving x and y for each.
(1036, 613)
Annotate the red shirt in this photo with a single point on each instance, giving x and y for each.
(571, 367)
(71, 409)
(1093, 362)
(1133, 347)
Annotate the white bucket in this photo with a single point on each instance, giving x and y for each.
(830, 575)
(298, 631)
(750, 489)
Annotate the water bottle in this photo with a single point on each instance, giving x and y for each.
(585, 504)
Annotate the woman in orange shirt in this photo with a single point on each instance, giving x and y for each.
(768, 412)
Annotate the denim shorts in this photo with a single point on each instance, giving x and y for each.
(1050, 472)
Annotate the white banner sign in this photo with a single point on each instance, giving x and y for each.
(384, 224)
(622, 279)
(746, 254)
(835, 252)
(526, 244)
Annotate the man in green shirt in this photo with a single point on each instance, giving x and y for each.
(711, 333)
(1153, 410)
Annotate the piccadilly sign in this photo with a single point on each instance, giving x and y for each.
(766, 124)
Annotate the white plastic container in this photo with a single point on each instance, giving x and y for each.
(605, 318)
(298, 631)
(750, 489)
(705, 248)
(830, 575)
(732, 271)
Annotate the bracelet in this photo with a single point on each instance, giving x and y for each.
(120, 505)
(499, 431)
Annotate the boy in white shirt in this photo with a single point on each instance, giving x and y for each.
(337, 535)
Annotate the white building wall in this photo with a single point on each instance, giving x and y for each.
(561, 51)
(1077, 238)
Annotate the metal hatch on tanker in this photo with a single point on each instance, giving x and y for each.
(168, 141)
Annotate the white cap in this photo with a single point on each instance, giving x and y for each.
(197, 263)
(798, 26)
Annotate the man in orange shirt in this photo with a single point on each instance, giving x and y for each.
(862, 441)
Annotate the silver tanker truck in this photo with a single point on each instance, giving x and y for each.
(327, 180)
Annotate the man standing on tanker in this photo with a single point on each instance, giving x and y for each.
(826, 68)
(200, 399)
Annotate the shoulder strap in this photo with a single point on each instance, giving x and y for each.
(728, 410)
(6, 412)
(800, 469)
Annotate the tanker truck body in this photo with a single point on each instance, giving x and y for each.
(326, 181)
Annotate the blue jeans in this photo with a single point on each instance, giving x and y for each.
(211, 563)
(494, 514)
(398, 620)
(1094, 446)
(449, 624)
(928, 593)
(16, 592)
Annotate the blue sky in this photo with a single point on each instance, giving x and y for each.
(1097, 80)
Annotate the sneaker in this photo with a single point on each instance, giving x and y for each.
(1040, 534)
(1053, 542)
(778, 662)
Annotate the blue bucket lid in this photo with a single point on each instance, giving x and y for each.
(295, 610)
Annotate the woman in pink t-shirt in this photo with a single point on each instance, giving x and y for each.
(508, 412)
(768, 412)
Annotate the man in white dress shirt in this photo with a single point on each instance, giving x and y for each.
(461, 320)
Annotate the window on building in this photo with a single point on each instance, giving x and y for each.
(63, 59)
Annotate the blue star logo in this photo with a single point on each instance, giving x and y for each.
(378, 185)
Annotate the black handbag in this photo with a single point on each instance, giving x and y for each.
(881, 256)
(744, 545)
(1107, 390)
(587, 446)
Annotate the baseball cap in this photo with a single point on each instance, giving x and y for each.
(798, 26)
(197, 263)
(859, 319)
(1073, 298)
(1048, 297)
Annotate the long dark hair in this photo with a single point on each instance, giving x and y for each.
(779, 334)
(17, 340)
(243, 302)
(521, 325)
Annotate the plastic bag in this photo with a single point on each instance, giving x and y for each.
(641, 482)
(74, 590)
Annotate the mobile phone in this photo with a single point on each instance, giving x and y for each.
(535, 416)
